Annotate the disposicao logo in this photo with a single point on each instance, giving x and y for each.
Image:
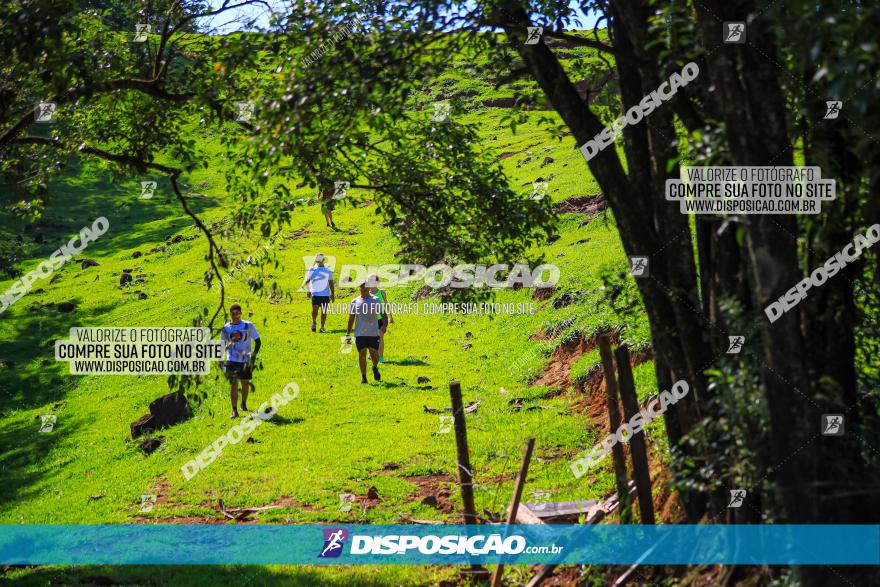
(470, 545)
(334, 539)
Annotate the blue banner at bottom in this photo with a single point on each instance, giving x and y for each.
(116, 544)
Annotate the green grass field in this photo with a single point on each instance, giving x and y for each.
(337, 437)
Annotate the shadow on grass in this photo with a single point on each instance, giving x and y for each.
(191, 576)
(81, 195)
(407, 362)
(32, 378)
(27, 453)
(390, 384)
(282, 421)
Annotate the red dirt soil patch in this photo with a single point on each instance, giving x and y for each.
(595, 399)
(543, 293)
(540, 335)
(500, 478)
(558, 370)
(667, 508)
(581, 205)
(433, 486)
(564, 576)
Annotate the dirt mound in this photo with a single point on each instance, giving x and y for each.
(558, 371)
(563, 576)
(594, 400)
(667, 508)
(543, 293)
(434, 490)
(581, 205)
(500, 102)
(568, 298)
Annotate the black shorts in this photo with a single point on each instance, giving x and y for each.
(366, 342)
(322, 301)
(383, 323)
(235, 371)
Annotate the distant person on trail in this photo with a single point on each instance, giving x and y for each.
(385, 317)
(325, 195)
(239, 364)
(364, 314)
(321, 289)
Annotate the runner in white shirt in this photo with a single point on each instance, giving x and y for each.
(321, 290)
(237, 334)
(364, 315)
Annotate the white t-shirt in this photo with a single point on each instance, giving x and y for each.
(238, 340)
(366, 312)
(320, 278)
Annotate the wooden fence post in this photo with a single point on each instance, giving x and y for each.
(514, 503)
(465, 472)
(637, 446)
(614, 420)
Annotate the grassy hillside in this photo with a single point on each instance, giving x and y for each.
(337, 437)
